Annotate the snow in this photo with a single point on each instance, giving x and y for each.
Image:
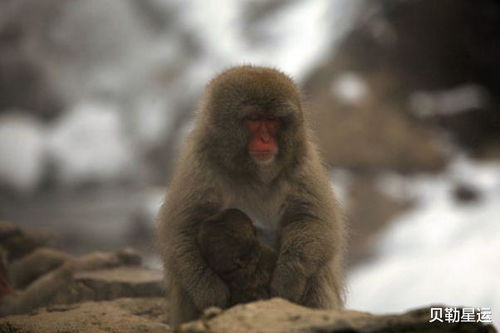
(349, 88)
(295, 38)
(153, 199)
(149, 75)
(442, 251)
(88, 144)
(151, 119)
(341, 180)
(22, 152)
(300, 35)
(449, 102)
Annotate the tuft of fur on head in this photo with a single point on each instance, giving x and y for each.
(233, 95)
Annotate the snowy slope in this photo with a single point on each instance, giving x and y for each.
(443, 251)
(149, 68)
(292, 39)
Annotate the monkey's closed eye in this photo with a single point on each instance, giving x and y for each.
(252, 117)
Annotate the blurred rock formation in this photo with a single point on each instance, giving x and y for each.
(406, 71)
(41, 276)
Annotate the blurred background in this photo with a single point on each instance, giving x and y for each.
(97, 96)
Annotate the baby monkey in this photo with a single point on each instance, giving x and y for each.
(229, 244)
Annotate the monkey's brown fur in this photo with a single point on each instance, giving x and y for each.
(230, 246)
(291, 195)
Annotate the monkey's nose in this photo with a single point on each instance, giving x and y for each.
(265, 136)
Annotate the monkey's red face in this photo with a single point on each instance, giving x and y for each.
(263, 143)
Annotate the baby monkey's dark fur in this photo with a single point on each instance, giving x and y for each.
(229, 244)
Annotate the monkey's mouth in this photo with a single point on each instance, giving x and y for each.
(263, 155)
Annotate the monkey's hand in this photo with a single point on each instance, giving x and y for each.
(288, 281)
(187, 267)
(306, 246)
(211, 291)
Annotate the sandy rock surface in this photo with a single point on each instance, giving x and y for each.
(122, 315)
(272, 316)
(278, 315)
(107, 284)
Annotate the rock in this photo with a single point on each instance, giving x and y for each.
(107, 284)
(371, 134)
(431, 76)
(24, 271)
(275, 315)
(64, 286)
(122, 315)
(100, 260)
(38, 294)
(278, 315)
(18, 242)
(48, 276)
(42, 260)
(466, 193)
(119, 282)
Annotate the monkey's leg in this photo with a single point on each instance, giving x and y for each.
(323, 291)
(188, 269)
(181, 307)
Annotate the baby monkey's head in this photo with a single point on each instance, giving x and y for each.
(229, 244)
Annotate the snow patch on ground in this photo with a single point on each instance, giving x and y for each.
(443, 251)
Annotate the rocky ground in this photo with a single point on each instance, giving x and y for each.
(275, 315)
(120, 315)
(47, 290)
(44, 276)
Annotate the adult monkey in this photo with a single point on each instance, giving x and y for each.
(251, 149)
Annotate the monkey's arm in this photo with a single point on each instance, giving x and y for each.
(182, 257)
(199, 280)
(309, 241)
